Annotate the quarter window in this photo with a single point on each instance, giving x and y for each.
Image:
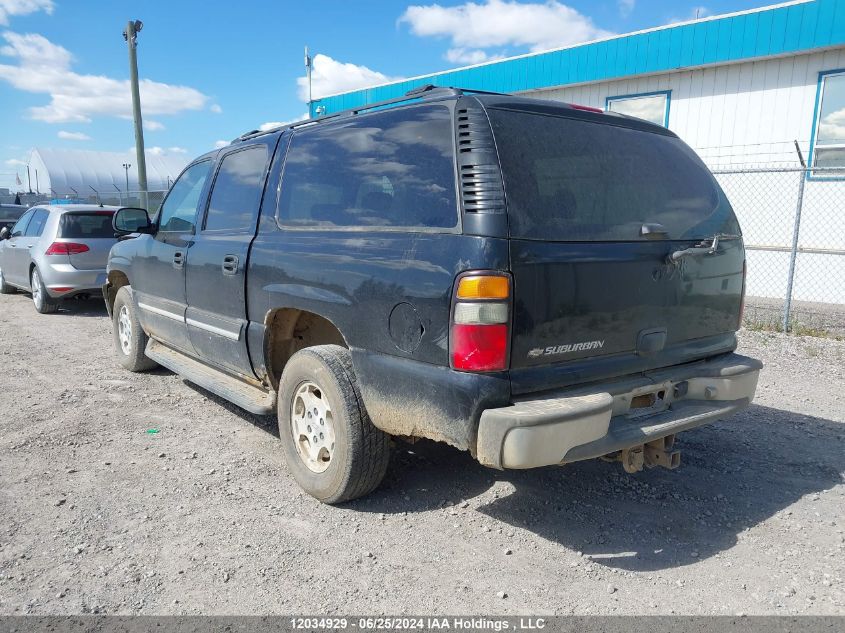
(237, 190)
(829, 141)
(389, 169)
(653, 107)
(179, 211)
(36, 225)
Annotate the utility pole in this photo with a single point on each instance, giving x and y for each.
(308, 77)
(131, 36)
(126, 167)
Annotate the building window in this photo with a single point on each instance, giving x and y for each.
(829, 130)
(652, 106)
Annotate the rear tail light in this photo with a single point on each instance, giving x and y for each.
(742, 300)
(66, 248)
(480, 332)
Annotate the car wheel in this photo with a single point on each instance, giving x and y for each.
(5, 289)
(130, 340)
(331, 446)
(44, 303)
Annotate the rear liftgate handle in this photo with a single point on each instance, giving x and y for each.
(230, 265)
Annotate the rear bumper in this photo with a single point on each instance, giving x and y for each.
(590, 422)
(63, 280)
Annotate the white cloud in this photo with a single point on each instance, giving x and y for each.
(498, 23)
(467, 56)
(163, 151)
(274, 124)
(329, 76)
(14, 162)
(45, 68)
(153, 126)
(626, 7)
(23, 7)
(216, 109)
(73, 136)
(221, 144)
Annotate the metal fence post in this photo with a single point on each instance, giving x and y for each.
(793, 253)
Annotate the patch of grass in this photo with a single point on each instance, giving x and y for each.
(795, 327)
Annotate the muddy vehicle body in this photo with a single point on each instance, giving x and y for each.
(533, 282)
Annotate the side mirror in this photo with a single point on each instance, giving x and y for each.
(4, 233)
(131, 220)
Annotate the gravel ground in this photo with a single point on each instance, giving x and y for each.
(99, 514)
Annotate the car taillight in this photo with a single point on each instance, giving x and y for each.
(742, 300)
(66, 248)
(480, 330)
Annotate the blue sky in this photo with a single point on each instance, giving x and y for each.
(214, 70)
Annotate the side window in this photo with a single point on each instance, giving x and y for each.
(237, 190)
(179, 211)
(20, 225)
(390, 169)
(36, 226)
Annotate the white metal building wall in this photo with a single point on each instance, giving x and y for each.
(749, 114)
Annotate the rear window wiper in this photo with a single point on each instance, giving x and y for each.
(705, 247)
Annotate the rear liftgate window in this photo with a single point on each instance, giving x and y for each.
(390, 169)
(87, 225)
(573, 180)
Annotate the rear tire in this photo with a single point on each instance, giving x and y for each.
(5, 289)
(130, 340)
(44, 303)
(331, 446)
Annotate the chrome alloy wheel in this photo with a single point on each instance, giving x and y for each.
(35, 282)
(124, 330)
(312, 426)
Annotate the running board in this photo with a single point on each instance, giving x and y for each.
(236, 391)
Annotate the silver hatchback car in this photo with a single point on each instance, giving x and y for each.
(57, 252)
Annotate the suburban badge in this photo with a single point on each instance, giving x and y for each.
(558, 350)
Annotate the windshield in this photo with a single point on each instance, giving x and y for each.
(11, 213)
(574, 180)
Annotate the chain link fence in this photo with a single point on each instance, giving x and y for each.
(123, 199)
(793, 222)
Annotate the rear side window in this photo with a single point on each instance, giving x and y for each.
(574, 180)
(37, 224)
(390, 169)
(237, 190)
(93, 225)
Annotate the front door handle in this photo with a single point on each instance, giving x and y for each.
(230, 265)
(178, 259)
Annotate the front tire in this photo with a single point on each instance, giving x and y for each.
(130, 340)
(44, 303)
(5, 289)
(332, 448)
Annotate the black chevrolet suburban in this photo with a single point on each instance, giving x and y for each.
(533, 282)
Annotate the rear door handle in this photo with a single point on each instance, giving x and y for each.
(178, 259)
(230, 264)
